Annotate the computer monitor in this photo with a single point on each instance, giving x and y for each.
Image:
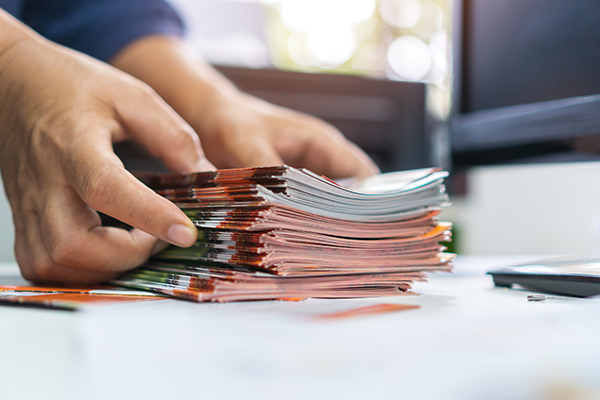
(526, 78)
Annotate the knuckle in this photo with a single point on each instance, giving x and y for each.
(144, 93)
(96, 186)
(181, 137)
(141, 94)
(61, 252)
(178, 142)
(24, 259)
(35, 265)
(28, 274)
(44, 269)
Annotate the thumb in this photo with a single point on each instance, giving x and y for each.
(155, 125)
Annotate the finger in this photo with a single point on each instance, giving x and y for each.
(100, 180)
(251, 150)
(159, 247)
(37, 265)
(325, 151)
(354, 161)
(74, 237)
(149, 120)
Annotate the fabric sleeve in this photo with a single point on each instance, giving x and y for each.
(12, 7)
(100, 28)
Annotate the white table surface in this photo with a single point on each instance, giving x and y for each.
(467, 341)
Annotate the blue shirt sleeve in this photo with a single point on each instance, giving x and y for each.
(100, 28)
(11, 6)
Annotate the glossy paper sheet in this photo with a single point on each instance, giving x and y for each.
(280, 232)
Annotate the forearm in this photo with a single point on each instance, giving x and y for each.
(181, 79)
(236, 129)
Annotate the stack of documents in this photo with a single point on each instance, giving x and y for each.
(281, 232)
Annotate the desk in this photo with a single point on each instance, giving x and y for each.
(467, 341)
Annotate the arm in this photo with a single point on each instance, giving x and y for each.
(60, 113)
(238, 130)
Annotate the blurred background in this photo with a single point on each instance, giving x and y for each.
(406, 40)
(381, 71)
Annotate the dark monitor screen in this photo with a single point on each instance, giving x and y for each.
(527, 77)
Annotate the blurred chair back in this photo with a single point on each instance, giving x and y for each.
(385, 118)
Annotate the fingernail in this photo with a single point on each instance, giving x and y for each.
(159, 246)
(181, 235)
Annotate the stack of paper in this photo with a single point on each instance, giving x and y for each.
(280, 232)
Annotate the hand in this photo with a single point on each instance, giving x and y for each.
(60, 112)
(238, 130)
